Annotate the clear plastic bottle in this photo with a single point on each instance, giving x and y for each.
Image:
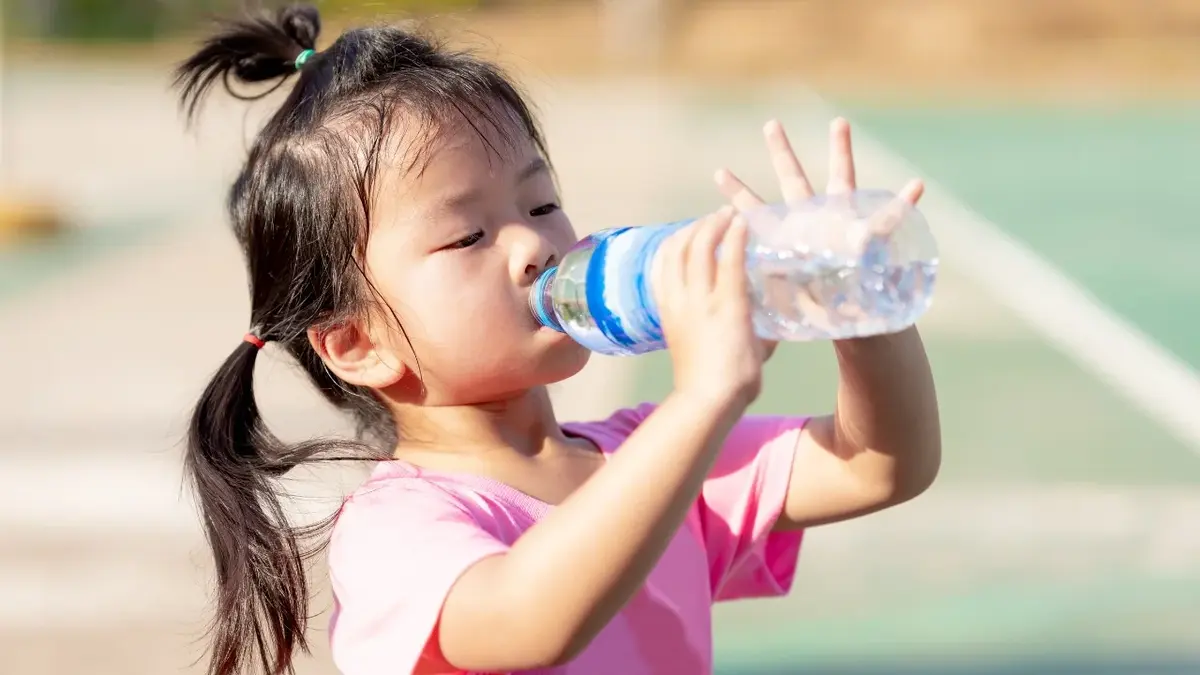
(834, 267)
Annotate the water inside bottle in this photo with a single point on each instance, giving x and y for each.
(840, 266)
(802, 298)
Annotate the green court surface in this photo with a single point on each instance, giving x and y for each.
(1107, 196)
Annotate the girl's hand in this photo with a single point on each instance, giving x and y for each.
(704, 304)
(794, 183)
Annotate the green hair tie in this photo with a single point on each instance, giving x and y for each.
(302, 58)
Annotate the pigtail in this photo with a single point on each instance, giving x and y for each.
(232, 459)
(251, 50)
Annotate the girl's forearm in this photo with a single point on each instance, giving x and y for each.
(887, 407)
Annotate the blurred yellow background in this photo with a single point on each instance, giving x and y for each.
(1061, 143)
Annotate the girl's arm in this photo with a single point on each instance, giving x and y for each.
(882, 445)
(543, 600)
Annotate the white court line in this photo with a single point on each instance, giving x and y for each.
(1161, 384)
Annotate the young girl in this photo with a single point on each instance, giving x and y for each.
(394, 213)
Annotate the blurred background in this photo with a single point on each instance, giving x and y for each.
(1061, 143)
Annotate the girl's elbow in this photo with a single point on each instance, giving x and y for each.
(548, 652)
(571, 640)
(569, 650)
(496, 621)
(552, 647)
(918, 475)
(542, 622)
(922, 460)
(524, 646)
(545, 638)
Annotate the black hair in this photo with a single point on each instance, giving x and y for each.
(301, 210)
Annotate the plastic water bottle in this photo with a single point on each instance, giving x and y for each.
(834, 267)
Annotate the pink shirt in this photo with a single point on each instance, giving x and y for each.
(406, 535)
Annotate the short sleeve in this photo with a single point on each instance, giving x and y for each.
(739, 504)
(396, 550)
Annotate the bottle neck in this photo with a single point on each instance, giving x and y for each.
(541, 304)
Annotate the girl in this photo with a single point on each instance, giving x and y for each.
(394, 213)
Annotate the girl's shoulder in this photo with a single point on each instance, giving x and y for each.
(410, 502)
(401, 504)
(396, 484)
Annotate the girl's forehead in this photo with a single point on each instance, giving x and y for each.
(493, 130)
(440, 168)
(459, 149)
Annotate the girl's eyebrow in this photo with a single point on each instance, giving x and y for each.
(538, 165)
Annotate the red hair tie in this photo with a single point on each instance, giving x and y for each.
(254, 340)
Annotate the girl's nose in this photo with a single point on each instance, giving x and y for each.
(532, 272)
(532, 253)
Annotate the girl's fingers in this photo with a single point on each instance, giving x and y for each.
(737, 192)
(796, 187)
(841, 158)
(891, 216)
(669, 266)
(913, 191)
(731, 266)
(702, 259)
(793, 182)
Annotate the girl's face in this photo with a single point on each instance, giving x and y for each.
(456, 242)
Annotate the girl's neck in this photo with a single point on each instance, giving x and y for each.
(524, 423)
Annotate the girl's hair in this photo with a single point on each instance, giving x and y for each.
(301, 210)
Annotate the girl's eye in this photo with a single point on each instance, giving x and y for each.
(469, 241)
(544, 210)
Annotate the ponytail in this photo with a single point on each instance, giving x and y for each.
(251, 50)
(232, 459)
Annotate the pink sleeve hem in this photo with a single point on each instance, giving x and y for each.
(768, 568)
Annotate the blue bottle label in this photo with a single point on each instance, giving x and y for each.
(619, 294)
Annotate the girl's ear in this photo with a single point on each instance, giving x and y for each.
(348, 350)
